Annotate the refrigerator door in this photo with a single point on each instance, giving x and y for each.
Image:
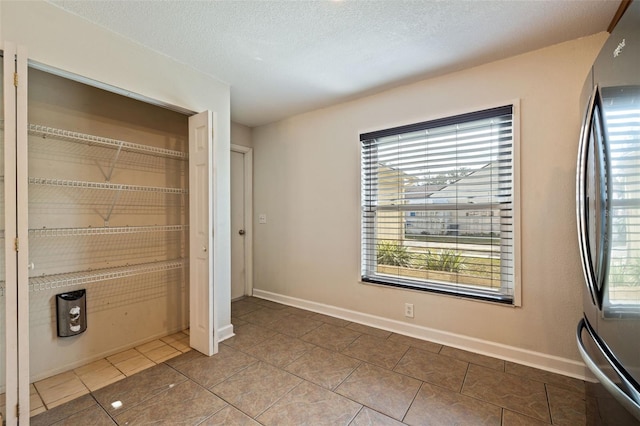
(619, 319)
(609, 216)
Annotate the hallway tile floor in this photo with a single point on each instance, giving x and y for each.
(288, 366)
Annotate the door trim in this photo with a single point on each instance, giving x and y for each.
(248, 215)
(22, 205)
(10, 230)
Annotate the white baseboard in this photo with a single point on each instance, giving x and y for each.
(554, 364)
(225, 333)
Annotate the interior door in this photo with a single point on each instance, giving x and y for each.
(201, 234)
(238, 230)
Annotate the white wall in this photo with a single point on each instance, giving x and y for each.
(58, 39)
(241, 135)
(307, 181)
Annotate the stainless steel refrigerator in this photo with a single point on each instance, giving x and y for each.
(608, 208)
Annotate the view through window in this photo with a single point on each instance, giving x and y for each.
(437, 205)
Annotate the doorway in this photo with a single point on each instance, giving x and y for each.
(241, 224)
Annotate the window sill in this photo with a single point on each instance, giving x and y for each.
(463, 292)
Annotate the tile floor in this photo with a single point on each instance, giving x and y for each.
(288, 366)
(62, 388)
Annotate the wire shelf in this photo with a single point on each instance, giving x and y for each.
(79, 232)
(57, 281)
(67, 135)
(104, 186)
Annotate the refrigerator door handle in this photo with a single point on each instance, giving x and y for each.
(582, 207)
(631, 403)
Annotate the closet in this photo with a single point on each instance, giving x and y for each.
(108, 213)
(99, 197)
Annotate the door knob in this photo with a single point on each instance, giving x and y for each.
(241, 232)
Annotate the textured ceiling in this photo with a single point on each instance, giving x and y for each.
(286, 57)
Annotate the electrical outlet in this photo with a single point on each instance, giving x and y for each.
(408, 310)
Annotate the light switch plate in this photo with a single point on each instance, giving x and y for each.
(262, 218)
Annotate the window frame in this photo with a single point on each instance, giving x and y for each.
(513, 300)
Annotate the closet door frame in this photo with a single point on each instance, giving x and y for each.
(22, 208)
(16, 228)
(10, 229)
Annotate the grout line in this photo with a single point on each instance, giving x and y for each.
(464, 379)
(400, 358)
(413, 400)
(546, 392)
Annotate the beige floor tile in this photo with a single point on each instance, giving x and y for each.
(185, 403)
(266, 317)
(256, 388)
(309, 404)
(424, 345)
(511, 418)
(174, 337)
(270, 304)
(292, 384)
(229, 416)
(138, 388)
(36, 406)
(296, 327)
(473, 358)
(34, 411)
(323, 367)
(331, 337)
(162, 353)
(93, 367)
(208, 371)
(181, 345)
(148, 347)
(338, 322)
(61, 388)
(249, 335)
(94, 416)
(438, 406)
(369, 330)
(376, 351)
(519, 394)
(385, 391)
(433, 368)
(369, 417)
(280, 350)
(545, 376)
(567, 407)
(65, 411)
(133, 363)
(122, 356)
(299, 312)
(243, 307)
(99, 374)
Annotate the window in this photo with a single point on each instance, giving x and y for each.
(438, 206)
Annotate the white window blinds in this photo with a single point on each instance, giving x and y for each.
(437, 205)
